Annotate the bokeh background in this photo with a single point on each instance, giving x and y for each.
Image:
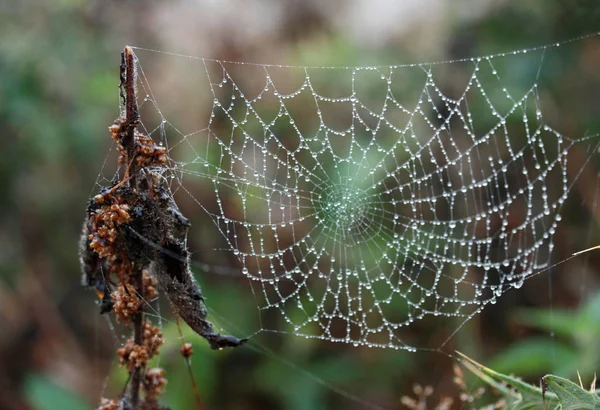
(58, 94)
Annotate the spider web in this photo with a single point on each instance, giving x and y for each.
(362, 202)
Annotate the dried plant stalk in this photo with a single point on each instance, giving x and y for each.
(133, 239)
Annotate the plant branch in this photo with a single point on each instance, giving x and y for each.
(128, 90)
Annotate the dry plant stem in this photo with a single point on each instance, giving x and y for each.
(189, 367)
(128, 141)
(135, 233)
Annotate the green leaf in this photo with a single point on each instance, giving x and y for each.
(531, 397)
(44, 394)
(563, 323)
(570, 395)
(535, 356)
(591, 312)
(559, 393)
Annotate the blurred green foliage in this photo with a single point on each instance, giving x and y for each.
(566, 346)
(44, 394)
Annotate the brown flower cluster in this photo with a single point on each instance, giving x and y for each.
(150, 283)
(147, 152)
(106, 404)
(104, 223)
(152, 338)
(154, 383)
(186, 350)
(115, 132)
(467, 396)
(126, 302)
(133, 355)
(420, 402)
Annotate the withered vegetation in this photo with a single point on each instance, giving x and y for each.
(134, 238)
